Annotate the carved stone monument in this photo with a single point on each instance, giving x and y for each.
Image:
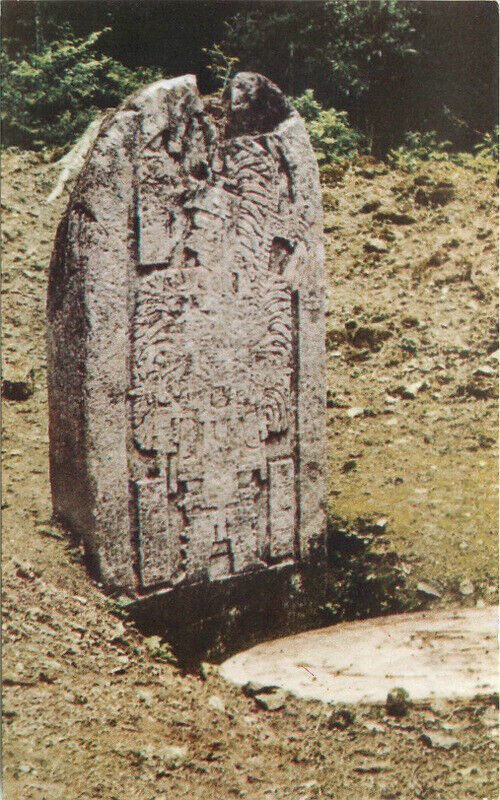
(186, 341)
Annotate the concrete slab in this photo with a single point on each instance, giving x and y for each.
(446, 653)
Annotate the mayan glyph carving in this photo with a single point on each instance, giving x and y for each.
(186, 340)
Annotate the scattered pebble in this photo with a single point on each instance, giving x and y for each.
(490, 717)
(354, 412)
(439, 741)
(170, 756)
(146, 697)
(466, 587)
(428, 589)
(117, 632)
(410, 390)
(252, 688)
(484, 371)
(375, 246)
(372, 727)
(153, 643)
(26, 571)
(216, 703)
(82, 600)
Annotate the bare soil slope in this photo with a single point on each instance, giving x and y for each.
(94, 710)
(413, 366)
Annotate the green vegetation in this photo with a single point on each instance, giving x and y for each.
(332, 137)
(421, 147)
(51, 96)
(336, 144)
(222, 66)
(393, 66)
(418, 147)
(363, 74)
(352, 52)
(488, 147)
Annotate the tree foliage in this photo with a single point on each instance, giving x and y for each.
(393, 65)
(49, 97)
(352, 53)
(222, 66)
(345, 47)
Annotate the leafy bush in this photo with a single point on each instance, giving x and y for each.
(485, 156)
(488, 146)
(419, 147)
(334, 142)
(51, 96)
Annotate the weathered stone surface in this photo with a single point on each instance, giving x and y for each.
(186, 340)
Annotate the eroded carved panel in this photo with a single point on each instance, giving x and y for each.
(213, 400)
(215, 350)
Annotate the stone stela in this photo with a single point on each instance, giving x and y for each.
(186, 340)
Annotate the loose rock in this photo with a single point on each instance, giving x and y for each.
(146, 697)
(484, 371)
(490, 718)
(439, 741)
(170, 757)
(153, 643)
(216, 703)
(428, 589)
(375, 246)
(466, 587)
(354, 412)
(251, 689)
(410, 390)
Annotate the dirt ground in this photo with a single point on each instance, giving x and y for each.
(92, 709)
